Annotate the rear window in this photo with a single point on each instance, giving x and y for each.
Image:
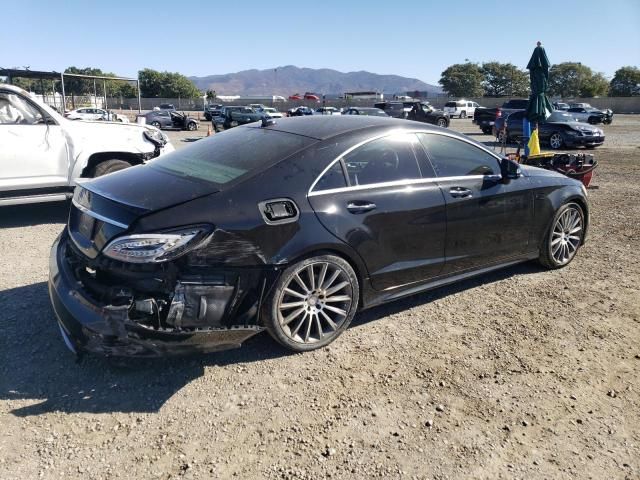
(450, 104)
(228, 156)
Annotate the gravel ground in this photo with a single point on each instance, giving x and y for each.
(523, 373)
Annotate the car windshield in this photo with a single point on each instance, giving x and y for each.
(239, 152)
(560, 117)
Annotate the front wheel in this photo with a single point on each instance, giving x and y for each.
(191, 126)
(441, 122)
(312, 303)
(156, 124)
(556, 141)
(564, 236)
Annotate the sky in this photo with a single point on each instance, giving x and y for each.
(416, 39)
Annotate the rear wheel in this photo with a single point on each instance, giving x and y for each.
(564, 236)
(441, 122)
(556, 141)
(486, 130)
(313, 302)
(109, 166)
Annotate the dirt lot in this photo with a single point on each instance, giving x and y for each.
(524, 373)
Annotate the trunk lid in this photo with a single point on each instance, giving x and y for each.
(105, 207)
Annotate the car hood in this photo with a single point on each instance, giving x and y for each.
(146, 188)
(577, 126)
(531, 171)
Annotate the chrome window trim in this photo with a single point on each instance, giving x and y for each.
(401, 183)
(97, 216)
(311, 193)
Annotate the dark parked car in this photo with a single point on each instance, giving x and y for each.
(560, 130)
(376, 112)
(299, 112)
(412, 110)
(291, 228)
(232, 116)
(211, 110)
(170, 119)
(486, 117)
(167, 106)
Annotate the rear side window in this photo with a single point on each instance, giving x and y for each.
(332, 178)
(386, 159)
(231, 155)
(454, 158)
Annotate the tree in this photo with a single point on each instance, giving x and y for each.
(166, 85)
(625, 82)
(462, 80)
(595, 86)
(504, 79)
(211, 95)
(570, 79)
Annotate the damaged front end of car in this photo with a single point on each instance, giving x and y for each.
(154, 294)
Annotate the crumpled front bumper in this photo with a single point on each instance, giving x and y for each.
(88, 326)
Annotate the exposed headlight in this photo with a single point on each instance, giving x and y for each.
(156, 247)
(155, 136)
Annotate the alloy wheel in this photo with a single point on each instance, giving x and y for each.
(315, 302)
(442, 122)
(566, 235)
(555, 141)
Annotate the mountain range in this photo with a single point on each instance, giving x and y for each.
(290, 79)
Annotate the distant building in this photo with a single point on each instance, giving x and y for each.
(363, 96)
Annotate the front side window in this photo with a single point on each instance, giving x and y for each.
(15, 109)
(386, 159)
(452, 157)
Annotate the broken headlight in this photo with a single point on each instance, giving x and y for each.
(156, 247)
(155, 136)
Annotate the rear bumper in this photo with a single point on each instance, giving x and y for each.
(89, 326)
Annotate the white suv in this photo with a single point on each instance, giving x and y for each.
(42, 153)
(461, 108)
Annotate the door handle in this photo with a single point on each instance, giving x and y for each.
(360, 207)
(460, 192)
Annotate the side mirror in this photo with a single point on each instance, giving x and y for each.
(510, 170)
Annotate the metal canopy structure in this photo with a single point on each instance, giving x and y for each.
(12, 73)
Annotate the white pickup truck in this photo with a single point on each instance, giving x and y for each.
(42, 153)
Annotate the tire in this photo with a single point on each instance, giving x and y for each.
(442, 122)
(556, 141)
(302, 315)
(607, 121)
(155, 124)
(191, 126)
(463, 115)
(564, 237)
(486, 131)
(109, 166)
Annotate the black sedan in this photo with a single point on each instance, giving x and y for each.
(292, 228)
(560, 130)
(170, 119)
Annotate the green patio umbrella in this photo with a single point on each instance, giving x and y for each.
(539, 107)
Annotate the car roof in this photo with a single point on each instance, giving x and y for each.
(323, 127)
